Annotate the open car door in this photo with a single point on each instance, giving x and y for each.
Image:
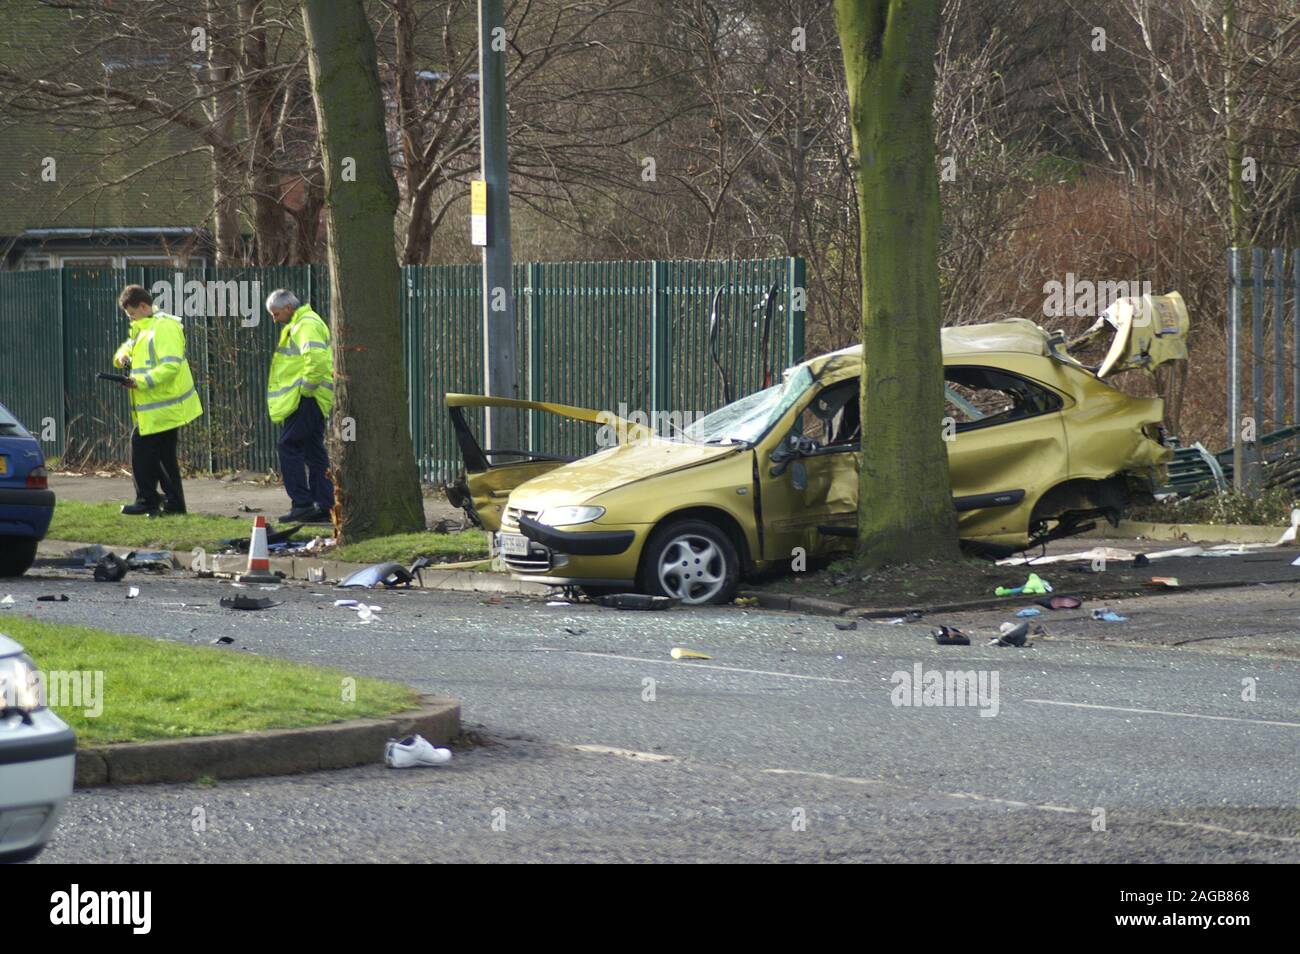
(481, 491)
(1148, 332)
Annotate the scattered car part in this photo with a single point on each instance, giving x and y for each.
(110, 568)
(389, 574)
(1013, 634)
(1060, 602)
(1108, 615)
(150, 560)
(61, 598)
(681, 652)
(242, 602)
(949, 636)
(633, 601)
(846, 627)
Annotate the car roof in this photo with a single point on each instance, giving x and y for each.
(1013, 335)
(9, 647)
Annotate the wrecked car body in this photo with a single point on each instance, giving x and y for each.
(1041, 446)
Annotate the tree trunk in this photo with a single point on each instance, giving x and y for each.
(905, 510)
(378, 485)
(223, 102)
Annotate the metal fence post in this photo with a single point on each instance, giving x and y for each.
(796, 308)
(536, 343)
(1254, 464)
(1234, 366)
(660, 354)
(1279, 344)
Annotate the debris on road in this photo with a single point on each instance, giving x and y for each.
(852, 624)
(110, 568)
(7, 601)
(1013, 634)
(414, 751)
(637, 601)
(1108, 615)
(242, 602)
(949, 636)
(223, 640)
(61, 598)
(158, 560)
(1060, 602)
(1029, 611)
(1034, 585)
(86, 556)
(681, 652)
(1165, 581)
(746, 601)
(132, 592)
(389, 574)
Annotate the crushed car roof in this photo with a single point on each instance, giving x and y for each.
(1018, 335)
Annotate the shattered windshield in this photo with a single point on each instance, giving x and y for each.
(748, 419)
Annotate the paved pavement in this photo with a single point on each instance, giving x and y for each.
(212, 495)
(588, 742)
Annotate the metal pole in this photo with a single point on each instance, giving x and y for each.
(1255, 473)
(1234, 366)
(1279, 343)
(500, 361)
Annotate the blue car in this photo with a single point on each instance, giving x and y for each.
(26, 501)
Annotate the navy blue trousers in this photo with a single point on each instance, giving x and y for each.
(303, 460)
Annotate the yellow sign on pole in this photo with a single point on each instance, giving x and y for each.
(478, 212)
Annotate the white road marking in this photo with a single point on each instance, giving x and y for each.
(1165, 712)
(632, 754)
(1044, 807)
(697, 665)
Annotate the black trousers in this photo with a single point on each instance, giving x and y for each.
(303, 459)
(153, 463)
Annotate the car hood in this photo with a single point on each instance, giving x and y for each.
(615, 467)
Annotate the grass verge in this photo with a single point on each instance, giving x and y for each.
(154, 689)
(102, 523)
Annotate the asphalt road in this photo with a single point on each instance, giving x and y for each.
(785, 746)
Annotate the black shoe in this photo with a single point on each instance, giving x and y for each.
(305, 514)
(139, 510)
(322, 516)
(174, 511)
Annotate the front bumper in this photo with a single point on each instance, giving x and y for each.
(589, 543)
(37, 764)
(594, 557)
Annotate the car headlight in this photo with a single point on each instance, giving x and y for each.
(568, 516)
(20, 684)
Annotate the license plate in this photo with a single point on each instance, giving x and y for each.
(514, 544)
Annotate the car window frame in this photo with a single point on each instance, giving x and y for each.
(1056, 399)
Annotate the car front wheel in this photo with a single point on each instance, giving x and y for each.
(17, 554)
(693, 561)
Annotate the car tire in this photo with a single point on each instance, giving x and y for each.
(17, 554)
(691, 560)
(25, 854)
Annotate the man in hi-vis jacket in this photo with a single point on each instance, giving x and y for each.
(163, 400)
(299, 396)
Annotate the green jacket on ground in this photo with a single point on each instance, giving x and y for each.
(303, 364)
(164, 396)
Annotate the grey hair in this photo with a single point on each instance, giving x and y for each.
(281, 298)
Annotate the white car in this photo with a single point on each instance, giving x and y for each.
(37, 758)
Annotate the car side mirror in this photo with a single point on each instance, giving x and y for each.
(783, 454)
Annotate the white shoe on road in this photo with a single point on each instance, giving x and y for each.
(412, 751)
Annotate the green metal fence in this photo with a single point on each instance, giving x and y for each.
(622, 336)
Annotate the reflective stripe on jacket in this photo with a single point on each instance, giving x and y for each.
(164, 396)
(303, 364)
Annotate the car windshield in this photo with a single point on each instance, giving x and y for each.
(748, 419)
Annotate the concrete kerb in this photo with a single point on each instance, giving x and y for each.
(296, 567)
(271, 752)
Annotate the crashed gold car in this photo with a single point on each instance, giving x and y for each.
(1041, 445)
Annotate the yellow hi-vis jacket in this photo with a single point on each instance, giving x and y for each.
(303, 364)
(163, 397)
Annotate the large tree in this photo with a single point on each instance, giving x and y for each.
(905, 510)
(378, 485)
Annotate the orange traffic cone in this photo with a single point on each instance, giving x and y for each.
(259, 563)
